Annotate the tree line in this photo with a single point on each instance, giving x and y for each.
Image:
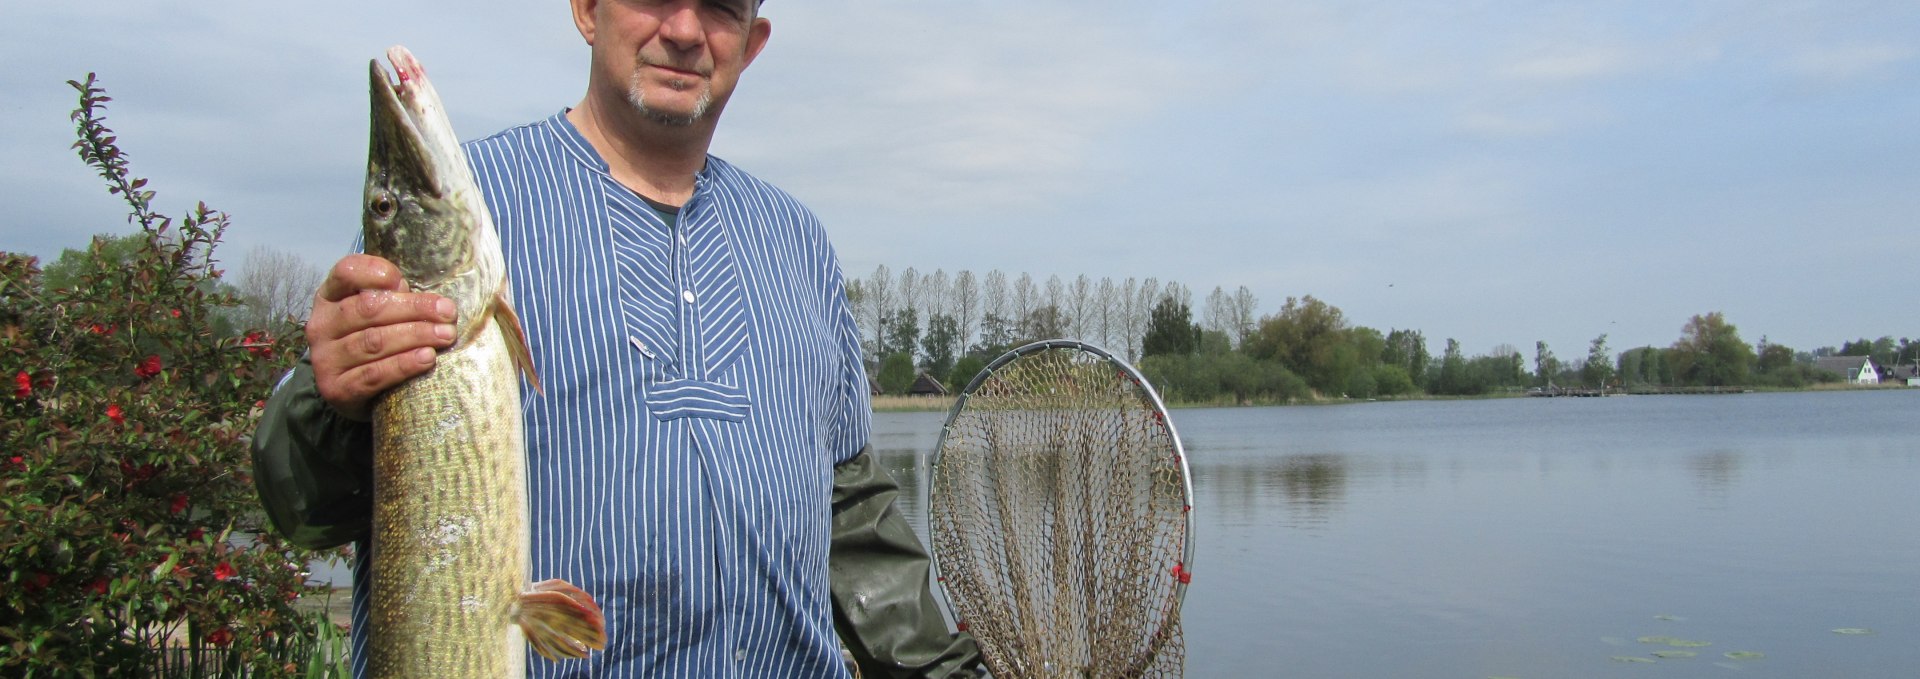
(950, 326)
(1213, 349)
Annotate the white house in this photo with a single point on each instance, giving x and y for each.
(1853, 369)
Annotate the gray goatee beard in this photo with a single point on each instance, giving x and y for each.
(638, 99)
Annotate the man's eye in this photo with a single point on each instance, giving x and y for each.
(730, 10)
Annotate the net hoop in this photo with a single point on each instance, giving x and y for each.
(1150, 399)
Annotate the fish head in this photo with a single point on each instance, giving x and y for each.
(421, 206)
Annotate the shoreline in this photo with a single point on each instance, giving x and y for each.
(912, 404)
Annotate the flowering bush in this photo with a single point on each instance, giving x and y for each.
(128, 519)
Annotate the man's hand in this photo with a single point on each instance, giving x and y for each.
(368, 333)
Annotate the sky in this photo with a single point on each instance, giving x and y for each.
(1492, 172)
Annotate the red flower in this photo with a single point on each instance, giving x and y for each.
(116, 414)
(148, 368)
(99, 587)
(179, 504)
(196, 533)
(176, 313)
(18, 462)
(258, 343)
(223, 571)
(23, 384)
(98, 329)
(38, 581)
(220, 637)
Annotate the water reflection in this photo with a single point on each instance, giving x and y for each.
(1315, 485)
(1715, 473)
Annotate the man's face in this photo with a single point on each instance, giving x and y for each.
(679, 60)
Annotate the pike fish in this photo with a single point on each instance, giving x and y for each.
(452, 596)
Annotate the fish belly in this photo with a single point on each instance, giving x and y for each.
(449, 550)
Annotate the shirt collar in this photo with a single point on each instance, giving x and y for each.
(576, 145)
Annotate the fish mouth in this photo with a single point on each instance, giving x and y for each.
(399, 140)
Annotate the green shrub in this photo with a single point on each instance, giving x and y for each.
(128, 519)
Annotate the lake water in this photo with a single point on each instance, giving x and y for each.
(1540, 538)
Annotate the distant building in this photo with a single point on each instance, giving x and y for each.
(1907, 374)
(1853, 369)
(926, 385)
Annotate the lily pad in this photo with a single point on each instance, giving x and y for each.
(1674, 654)
(1853, 631)
(1671, 641)
(1745, 655)
(1631, 658)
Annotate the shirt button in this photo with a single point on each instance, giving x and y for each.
(683, 240)
(687, 295)
(740, 655)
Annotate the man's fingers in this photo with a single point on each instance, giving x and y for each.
(377, 308)
(384, 341)
(352, 392)
(357, 272)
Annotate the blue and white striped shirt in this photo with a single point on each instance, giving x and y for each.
(701, 380)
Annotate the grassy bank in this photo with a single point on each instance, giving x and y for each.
(912, 404)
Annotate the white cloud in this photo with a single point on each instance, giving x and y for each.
(1570, 65)
(1839, 63)
(965, 109)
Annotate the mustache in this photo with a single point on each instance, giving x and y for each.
(694, 66)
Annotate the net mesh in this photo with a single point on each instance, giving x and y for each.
(1058, 513)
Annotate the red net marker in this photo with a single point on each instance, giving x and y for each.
(1182, 574)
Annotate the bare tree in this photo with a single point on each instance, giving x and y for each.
(275, 286)
(1106, 307)
(966, 304)
(1244, 305)
(1052, 306)
(993, 294)
(936, 292)
(1148, 295)
(909, 289)
(1080, 307)
(880, 303)
(1025, 298)
(996, 309)
(1219, 309)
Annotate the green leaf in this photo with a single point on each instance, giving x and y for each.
(165, 568)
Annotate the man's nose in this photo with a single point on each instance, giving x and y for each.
(681, 25)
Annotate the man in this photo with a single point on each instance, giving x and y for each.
(698, 451)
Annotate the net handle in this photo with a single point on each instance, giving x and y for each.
(1153, 397)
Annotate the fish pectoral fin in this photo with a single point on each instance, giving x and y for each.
(509, 322)
(561, 621)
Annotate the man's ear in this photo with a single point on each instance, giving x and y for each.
(583, 17)
(757, 35)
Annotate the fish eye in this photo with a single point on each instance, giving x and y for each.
(382, 205)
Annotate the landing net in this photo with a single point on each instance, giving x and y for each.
(1060, 514)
